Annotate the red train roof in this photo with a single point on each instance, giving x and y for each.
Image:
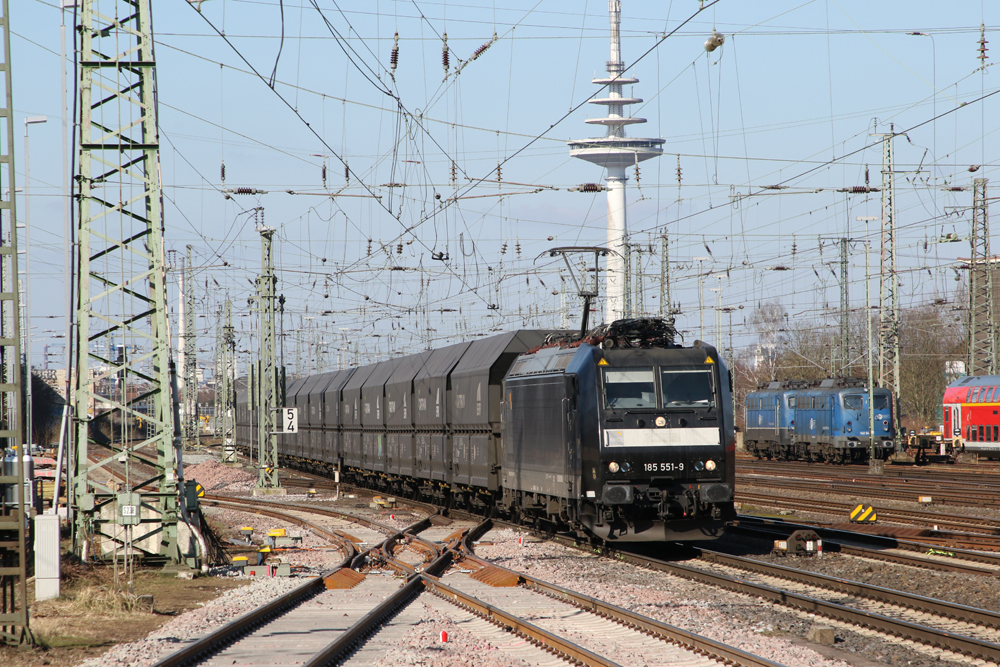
(957, 391)
(976, 380)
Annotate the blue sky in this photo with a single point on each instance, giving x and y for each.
(791, 99)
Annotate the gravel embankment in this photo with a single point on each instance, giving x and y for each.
(971, 590)
(195, 623)
(739, 620)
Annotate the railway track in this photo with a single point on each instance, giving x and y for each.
(846, 603)
(878, 547)
(869, 489)
(973, 524)
(551, 625)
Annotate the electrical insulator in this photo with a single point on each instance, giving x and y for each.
(591, 187)
(637, 172)
(714, 41)
(679, 172)
(347, 174)
(222, 172)
(454, 172)
(399, 248)
(394, 58)
(445, 57)
(503, 248)
(323, 174)
(517, 247)
(369, 247)
(499, 172)
(482, 49)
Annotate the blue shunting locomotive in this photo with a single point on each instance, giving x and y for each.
(622, 435)
(813, 421)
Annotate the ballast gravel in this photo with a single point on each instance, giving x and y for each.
(196, 623)
(971, 590)
(218, 478)
(742, 621)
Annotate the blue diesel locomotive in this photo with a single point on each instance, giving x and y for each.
(817, 421)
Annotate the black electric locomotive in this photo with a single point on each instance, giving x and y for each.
(621, 435)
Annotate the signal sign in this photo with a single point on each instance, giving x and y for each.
(199, 490)
(289, 420)
(864, 514)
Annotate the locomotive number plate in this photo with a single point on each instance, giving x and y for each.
(663, 467)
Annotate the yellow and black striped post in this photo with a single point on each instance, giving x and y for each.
(864, 514)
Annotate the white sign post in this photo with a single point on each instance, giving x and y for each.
(289, 420)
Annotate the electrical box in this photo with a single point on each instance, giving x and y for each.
(800, 543)
(192, 491)
(129, 509)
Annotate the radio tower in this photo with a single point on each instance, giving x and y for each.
(615, 152)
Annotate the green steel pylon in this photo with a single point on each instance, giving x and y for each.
(121, 292)
(189, 433)
(227, 400)
(13, 540)
(267, 477)
(982, 325)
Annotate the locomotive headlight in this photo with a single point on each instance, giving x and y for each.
(613, 467)
(710, 465)
(661, 421)
(626, 467)
(699, 466)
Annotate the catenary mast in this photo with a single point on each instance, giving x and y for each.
(616, 152)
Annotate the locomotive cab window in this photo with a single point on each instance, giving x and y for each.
(791, 401)
(881, 402)
(629, 388)
(687, 388)
(854, 401)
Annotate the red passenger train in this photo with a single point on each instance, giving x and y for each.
(972, 414)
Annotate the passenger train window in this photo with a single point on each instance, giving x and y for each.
(980, 434)
(996, 433)
(687, 388)
(629, 388)
(854, 401)
(881, 402)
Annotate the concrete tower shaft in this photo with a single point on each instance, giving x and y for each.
(615, 152)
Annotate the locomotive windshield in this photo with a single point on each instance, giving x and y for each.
(630, 388)
(687, 388)
(854, 401)
(881, 402)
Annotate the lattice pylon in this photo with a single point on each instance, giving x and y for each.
(13, 539)
(227, 400)
(982, 325)
(888, 331)
(845, 312)
(190, 431)
(267, 380)
(120, 278)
